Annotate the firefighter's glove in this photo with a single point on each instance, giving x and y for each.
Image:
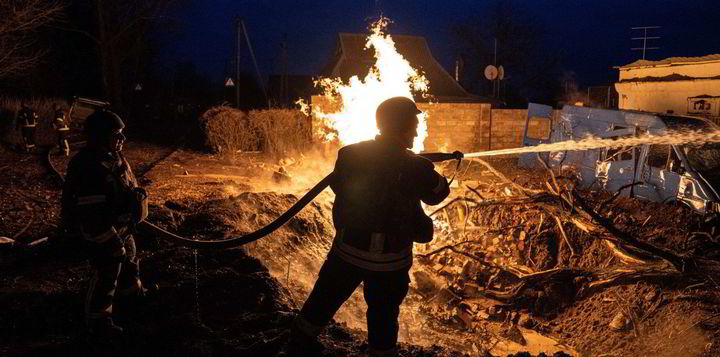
(139, 206)
(114, 247)
(422, 227)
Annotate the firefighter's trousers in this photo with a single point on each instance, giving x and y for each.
(28, 135)
(63, 143)
(383, 291)
(111, 274)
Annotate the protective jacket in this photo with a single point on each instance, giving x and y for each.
(62, 130)
(26, 118)
(59, 123)
(377, 212)
(100, 202)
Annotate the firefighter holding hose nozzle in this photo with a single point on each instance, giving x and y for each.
(101, 204)
(377, 214)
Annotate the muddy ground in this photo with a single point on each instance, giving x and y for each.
(241, 301)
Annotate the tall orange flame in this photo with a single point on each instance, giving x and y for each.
(390, 76)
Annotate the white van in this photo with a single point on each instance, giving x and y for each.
(688, 174)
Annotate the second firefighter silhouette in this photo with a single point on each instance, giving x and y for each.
(26, 123)
(61, 127)
(101, 204)
(377, 216)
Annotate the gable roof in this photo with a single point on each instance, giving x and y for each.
(670, 61)
(351, 58)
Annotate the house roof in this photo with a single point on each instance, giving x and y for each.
(351, 58)
(670, 61)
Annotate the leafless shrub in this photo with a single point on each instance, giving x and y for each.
(276, 132)
(227, 130)
(20, 20)
(281, 131)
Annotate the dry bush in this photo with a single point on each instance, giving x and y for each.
(9, 107)
(277, 132)
(227, 130)
(281, 131)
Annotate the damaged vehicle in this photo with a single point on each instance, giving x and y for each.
(687, 174)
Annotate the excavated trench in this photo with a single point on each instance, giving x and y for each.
(226, 302)
(431, 314)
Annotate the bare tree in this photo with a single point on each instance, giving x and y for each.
(20, 21)
(120, 31)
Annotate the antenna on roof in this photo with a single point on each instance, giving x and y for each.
(644, 38)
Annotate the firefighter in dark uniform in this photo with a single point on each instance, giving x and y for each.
(26, 123)
(377, 216)
(101, 203)
(61, 128)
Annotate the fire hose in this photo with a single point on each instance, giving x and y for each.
(278, 222)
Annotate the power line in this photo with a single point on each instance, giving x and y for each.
(645, 38)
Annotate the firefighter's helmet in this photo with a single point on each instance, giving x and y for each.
(102, 124)
(396, 114)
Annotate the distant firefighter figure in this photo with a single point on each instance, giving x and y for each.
(60, 125)
(101, 204)
(379, 185)
(26, 123)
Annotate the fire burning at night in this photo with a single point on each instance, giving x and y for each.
(391, 75)
(265, 230)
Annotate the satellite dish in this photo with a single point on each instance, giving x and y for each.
(491, 72)
(501, 72)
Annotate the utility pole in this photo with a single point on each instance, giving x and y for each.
(237, 62)
(495, 64)
(257, 69)
(284, 90)
(240, 29)
(644, 39)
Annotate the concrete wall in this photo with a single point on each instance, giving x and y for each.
(695, 70)
(664, 97)
(669, 96)
(469, 127)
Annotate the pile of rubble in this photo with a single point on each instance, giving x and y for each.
(519, 252)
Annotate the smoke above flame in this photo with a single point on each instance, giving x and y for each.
(390, 76)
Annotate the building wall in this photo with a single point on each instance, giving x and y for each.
(469, 127)
(696, 70)
(667, 96)
(664, 96)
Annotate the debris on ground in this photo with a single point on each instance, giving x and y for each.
(522, 264)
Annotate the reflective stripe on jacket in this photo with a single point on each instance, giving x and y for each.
(375, 258)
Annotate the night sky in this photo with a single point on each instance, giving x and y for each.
(593, 35)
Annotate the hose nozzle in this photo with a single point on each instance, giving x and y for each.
(442, 156)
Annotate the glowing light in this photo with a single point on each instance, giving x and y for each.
(390, 76)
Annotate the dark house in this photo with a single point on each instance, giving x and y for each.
(351, 58)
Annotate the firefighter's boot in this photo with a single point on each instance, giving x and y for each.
(104, 329)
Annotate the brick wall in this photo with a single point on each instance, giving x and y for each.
(466, 126)
(457, 126)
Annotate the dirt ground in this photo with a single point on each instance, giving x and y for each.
(241, 301)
